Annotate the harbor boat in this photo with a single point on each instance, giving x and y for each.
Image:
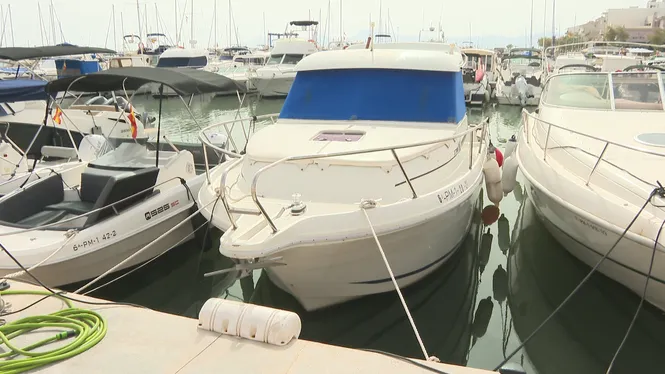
(19, 166)
(442, 306)
(24, 119)
(382, 160)
(590, 156)
(184, 58)
(477, 75)
(540, 276)
(241, 67)
(127, 206)
(519, 77)
(275, 79)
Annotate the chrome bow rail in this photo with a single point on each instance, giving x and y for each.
(483, 125)
(529, 128)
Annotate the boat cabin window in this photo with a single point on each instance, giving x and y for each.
(182, 62)
(391, 95)
(275, 59)
(292, 59)
(631, 91)
(121, 63)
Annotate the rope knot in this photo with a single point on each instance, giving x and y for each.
(368, 203)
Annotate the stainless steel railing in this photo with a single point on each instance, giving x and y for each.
(262, 211)
(529, 128)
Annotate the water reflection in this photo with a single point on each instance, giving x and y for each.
(585, 334)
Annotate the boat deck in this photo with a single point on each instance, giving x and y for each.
(146, 341)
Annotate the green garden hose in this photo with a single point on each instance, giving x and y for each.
(86, 327)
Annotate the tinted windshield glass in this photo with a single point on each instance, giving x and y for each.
(637, 91)
(292, 59)
(578, 91)
(275, 59)
(632, 91)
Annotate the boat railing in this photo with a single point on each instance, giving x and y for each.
(483, 126)
(529, 128)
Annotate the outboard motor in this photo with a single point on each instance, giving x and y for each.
(522, 89)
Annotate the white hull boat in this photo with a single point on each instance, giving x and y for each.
(305, 221)
(66, 246)
(275, 79)
(591, 158)
(519, 78)
(117, 211)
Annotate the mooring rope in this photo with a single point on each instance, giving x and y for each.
(370, 204)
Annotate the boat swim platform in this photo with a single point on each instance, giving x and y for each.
(146, 341)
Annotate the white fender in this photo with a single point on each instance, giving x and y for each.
(494, 192)
(254, 322)
(491, 170)
(509, 176)
(510, 147)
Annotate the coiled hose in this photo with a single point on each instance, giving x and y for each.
(86, 327)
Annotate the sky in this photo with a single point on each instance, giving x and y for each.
(486, 23)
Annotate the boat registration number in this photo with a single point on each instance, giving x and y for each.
(95, 240)
(453, 192)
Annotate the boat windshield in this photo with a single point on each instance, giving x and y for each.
(292, 59)
(275, 60)
(630, 91)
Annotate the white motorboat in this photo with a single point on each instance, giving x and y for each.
(478, 74)
(275, 79)
(24, 108)
(519, 78)
(241, 67)
(126, 207)
(295, 203)
(591, 157)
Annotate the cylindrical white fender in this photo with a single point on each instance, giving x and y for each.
(254, 322)
(509, 176)
(494, 192)
(491, 171)
(510, 147)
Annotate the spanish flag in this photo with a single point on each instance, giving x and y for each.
(57, 117)
(132, 122)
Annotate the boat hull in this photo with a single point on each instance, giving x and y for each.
(273, 87)
(323, 274)
(589, 237)
(94, 263)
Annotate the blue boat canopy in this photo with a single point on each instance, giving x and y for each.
(15, 90)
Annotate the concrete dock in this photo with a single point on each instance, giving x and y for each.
(146, 341)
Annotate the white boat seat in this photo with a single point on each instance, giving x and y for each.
(58, 152)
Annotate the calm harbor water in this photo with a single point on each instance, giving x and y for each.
(506, 278)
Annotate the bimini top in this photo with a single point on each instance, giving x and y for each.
(388, 85)
(15, 90)
(404, 59)
(24, 53)
(182, 81)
